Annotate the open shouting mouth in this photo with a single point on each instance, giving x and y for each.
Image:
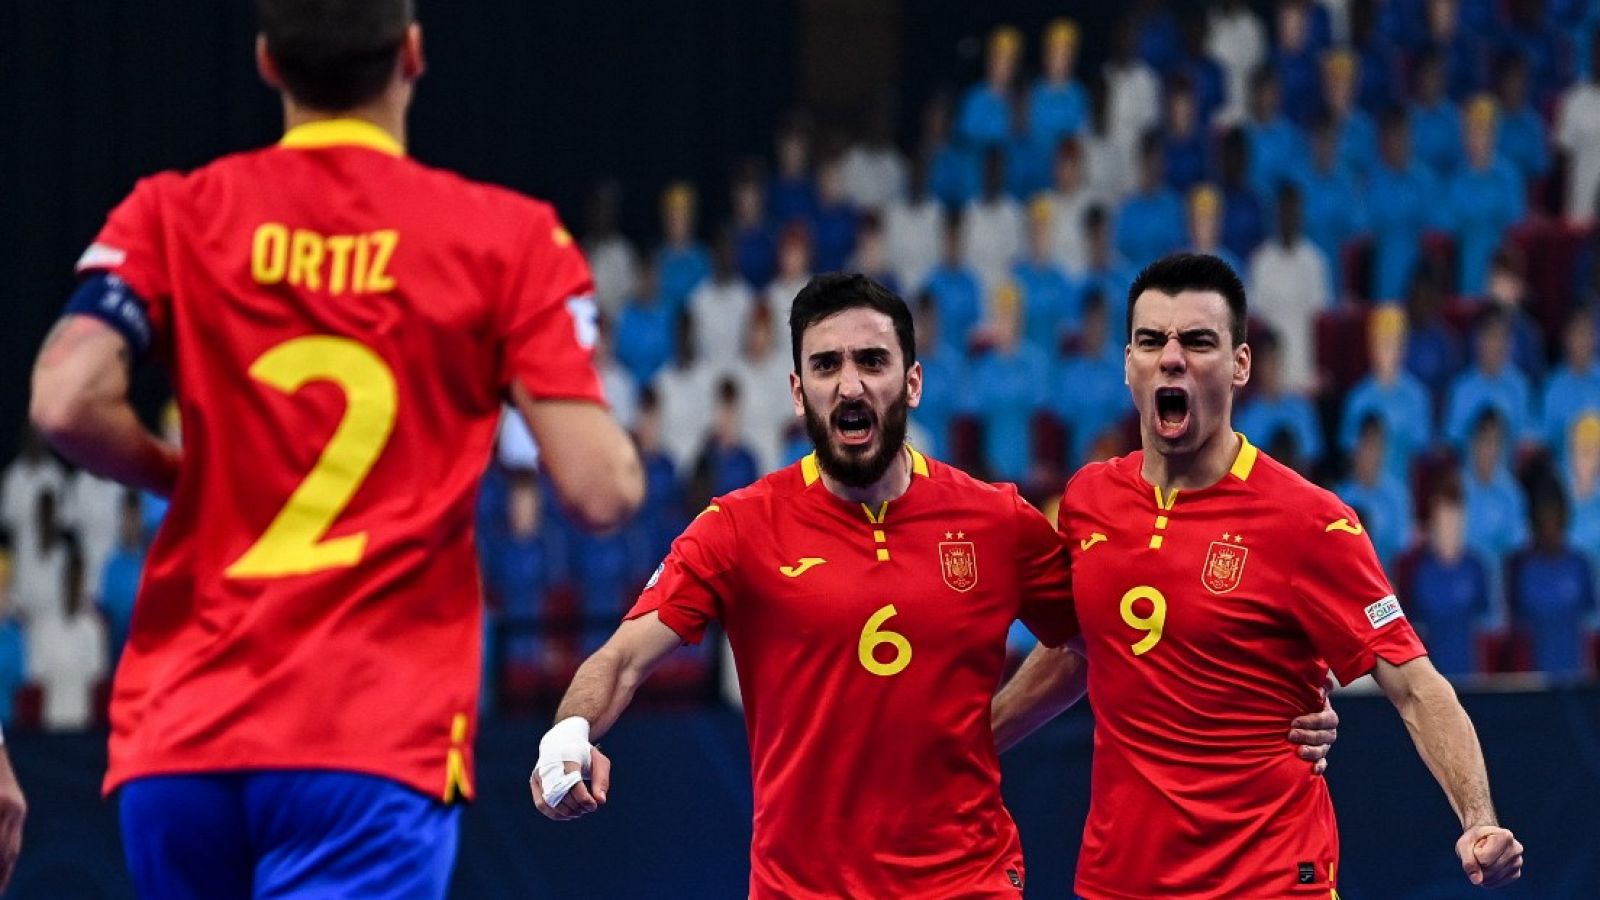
(854, 424)
(1172, 412)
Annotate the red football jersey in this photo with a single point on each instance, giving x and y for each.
(341, 325)
(869, 644)
(1211, 618)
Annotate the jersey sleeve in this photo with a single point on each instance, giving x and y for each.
(1044, 577)
(1344, 600)
(550, 321)
(131, 246)
(691, 584)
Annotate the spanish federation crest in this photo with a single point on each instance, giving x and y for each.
(958, 563)
(1224, 566)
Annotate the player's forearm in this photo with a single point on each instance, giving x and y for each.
(113, 443)
(1448, 744)
(1049, 681)
(601, 689)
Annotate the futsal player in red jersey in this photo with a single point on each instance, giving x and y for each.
(294, 712)
(866, 592)
(1215, 589)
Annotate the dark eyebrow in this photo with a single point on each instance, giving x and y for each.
(825, 356)
(1196, 333)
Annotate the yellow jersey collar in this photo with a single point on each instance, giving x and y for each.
(341, 132)
(1246, 460)
(810, 471)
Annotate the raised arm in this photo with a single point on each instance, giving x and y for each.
(590, 459)
(601, 689)
(1444, 737)
(80, 405)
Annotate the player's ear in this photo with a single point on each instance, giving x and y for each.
(412, 62)
(914, 385)
(796, 396)
(265, 67)
(1241, 365)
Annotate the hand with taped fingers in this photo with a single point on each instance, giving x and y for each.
(1491, 856)
(566, 759)
(1315, 733)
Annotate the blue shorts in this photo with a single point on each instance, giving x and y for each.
(280, 834)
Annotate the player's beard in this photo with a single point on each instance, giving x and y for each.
(859, 467)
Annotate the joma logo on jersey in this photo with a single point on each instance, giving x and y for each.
(958, 563)
(1224, 567)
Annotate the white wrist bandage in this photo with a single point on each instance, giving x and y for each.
(567, 742)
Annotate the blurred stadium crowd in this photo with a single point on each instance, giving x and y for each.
(1410, 190)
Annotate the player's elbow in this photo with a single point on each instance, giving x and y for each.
(58, 409)
(611, 494)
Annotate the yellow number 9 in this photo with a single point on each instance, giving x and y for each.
(1152, 624)
(871, 637)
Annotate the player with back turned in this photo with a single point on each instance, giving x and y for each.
(294, 713)
(866, 592)
(1215, 589)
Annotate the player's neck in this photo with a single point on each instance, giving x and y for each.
(1200, 468)
(896, 480)
(384, 112)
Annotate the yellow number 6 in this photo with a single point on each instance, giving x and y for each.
(1152, 624)
(871, 637)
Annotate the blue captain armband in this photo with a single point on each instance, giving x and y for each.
(108, 298)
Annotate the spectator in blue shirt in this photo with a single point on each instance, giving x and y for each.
(682, 262)
(1159, 39)
(1497, 511)
(1573, 391)
(525, 555)
(1485, 198)
(1449, 595)
(1390, 393)
(1272, 408)
(1433, 349)
(1531, 34)
(726, 463)
(833, 229)
(1107, 272)
(1522, 138)
(755, 240)
(13, 660)
(945, 392)
(1185, 142)
(952, 169)
(954, 288)
(1027, 157)
(1058, 106)
(792, 195)
(1435, 120)
(1379, 57)
(1205, 73)
(645, 330)
(1150, 223)
(1508, 292)
(1335, 205)
(1492, 383)
(1244, 220)
(1009, 384)
(1089, 393)
(1276, 146)
(1460, 50)
(1406, 201)
(119, 583)
(985, 117)
(1296, 62)
(1357, 133)
(1049, 299)
(663, 515)
(1384, 500)
(1582, 478)
(1552, 593)
(1204, 218)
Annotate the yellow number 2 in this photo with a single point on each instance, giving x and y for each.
(293, 543)
(871, 637)
(1152, 624)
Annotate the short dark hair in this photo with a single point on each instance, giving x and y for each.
(334, 54)
(1179, 272)
(835, 292)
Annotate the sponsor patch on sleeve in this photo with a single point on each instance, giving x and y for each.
(1384, 611)
(655, 576)
(101, 256)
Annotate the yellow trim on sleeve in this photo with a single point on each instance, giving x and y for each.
(341, 132)
(808, 468)
(1246, 460)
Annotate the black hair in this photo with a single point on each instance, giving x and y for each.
(1179, 272)
(334, 55)
(833, 293)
